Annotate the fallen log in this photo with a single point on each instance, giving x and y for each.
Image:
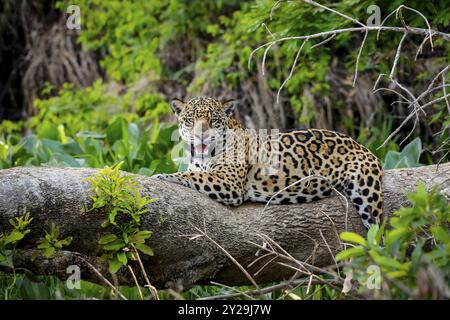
(307, 231)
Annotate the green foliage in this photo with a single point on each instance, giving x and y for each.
(411, 239)
(129, 34)
(373, 137)
(237, 35)
(118, 195)
(28, 286)
(202, 45)
(126, 33)
(9, 240)
(50, 243)
(94, 128)
(407, 158)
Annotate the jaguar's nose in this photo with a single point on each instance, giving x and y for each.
(202, 131)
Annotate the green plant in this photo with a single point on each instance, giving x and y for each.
(118, 195)
(51, 243)
(95, 135)
(406, 243)
(9, 240)
(8, 243)
(373, 137)
(407, 158)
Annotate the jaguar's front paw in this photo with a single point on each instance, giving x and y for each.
(169, 178)
(164, 177)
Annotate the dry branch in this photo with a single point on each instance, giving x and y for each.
(306, 232)
(397, 87)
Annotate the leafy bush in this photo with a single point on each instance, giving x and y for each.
(118, 195)
(51, 243)
(411, 245)
(94, 128)
(9, 240)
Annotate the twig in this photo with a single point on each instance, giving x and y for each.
(445, 93)
(397, 56)
(245, 272)
(239, 292)
(409, 118)
(151, 288)
(108, 283)
(136, 282)
(324, 41)
(268, 30)
(358, 57)
(334, 228)
(419, 50)
(329, 249)
(279, 286)
(285, 255)
(292, 70)
(428, 34)
(334, 11)
(411, 30)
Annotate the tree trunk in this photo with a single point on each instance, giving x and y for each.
(58, 195)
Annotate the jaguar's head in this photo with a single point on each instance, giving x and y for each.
(202, 122)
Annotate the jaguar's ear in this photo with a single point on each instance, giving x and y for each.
(177, 105)
(229, 106)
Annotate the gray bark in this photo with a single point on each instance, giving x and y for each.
(58, 195)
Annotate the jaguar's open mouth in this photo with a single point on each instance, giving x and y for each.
(202, 150)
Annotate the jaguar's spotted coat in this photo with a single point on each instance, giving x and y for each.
(234, 165)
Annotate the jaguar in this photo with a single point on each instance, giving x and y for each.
(232, 164)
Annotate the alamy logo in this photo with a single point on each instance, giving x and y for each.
(74, 20)
(373, 281)
(374, 20)
(73, 281)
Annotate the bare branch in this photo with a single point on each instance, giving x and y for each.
(292, 70)
(359, 56)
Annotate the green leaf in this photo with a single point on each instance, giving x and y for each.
(418, 251)
(350, 253)
(31, 290)
(122, 257)
(44, 245)
(394, 236)
(396, 274)
(391, 160)
(144, 249)
(114, 246)
(105, 224)
(48, 130)
(407, 158)
(114, 265)
(65, 242)
(48, 252)
(385, 262)
(413, 150)
(440, 234)
(354, 238)
(372, 234)
(114, 132)
(107, 238)
(14, 236)
(140, 236)
(381, 231)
